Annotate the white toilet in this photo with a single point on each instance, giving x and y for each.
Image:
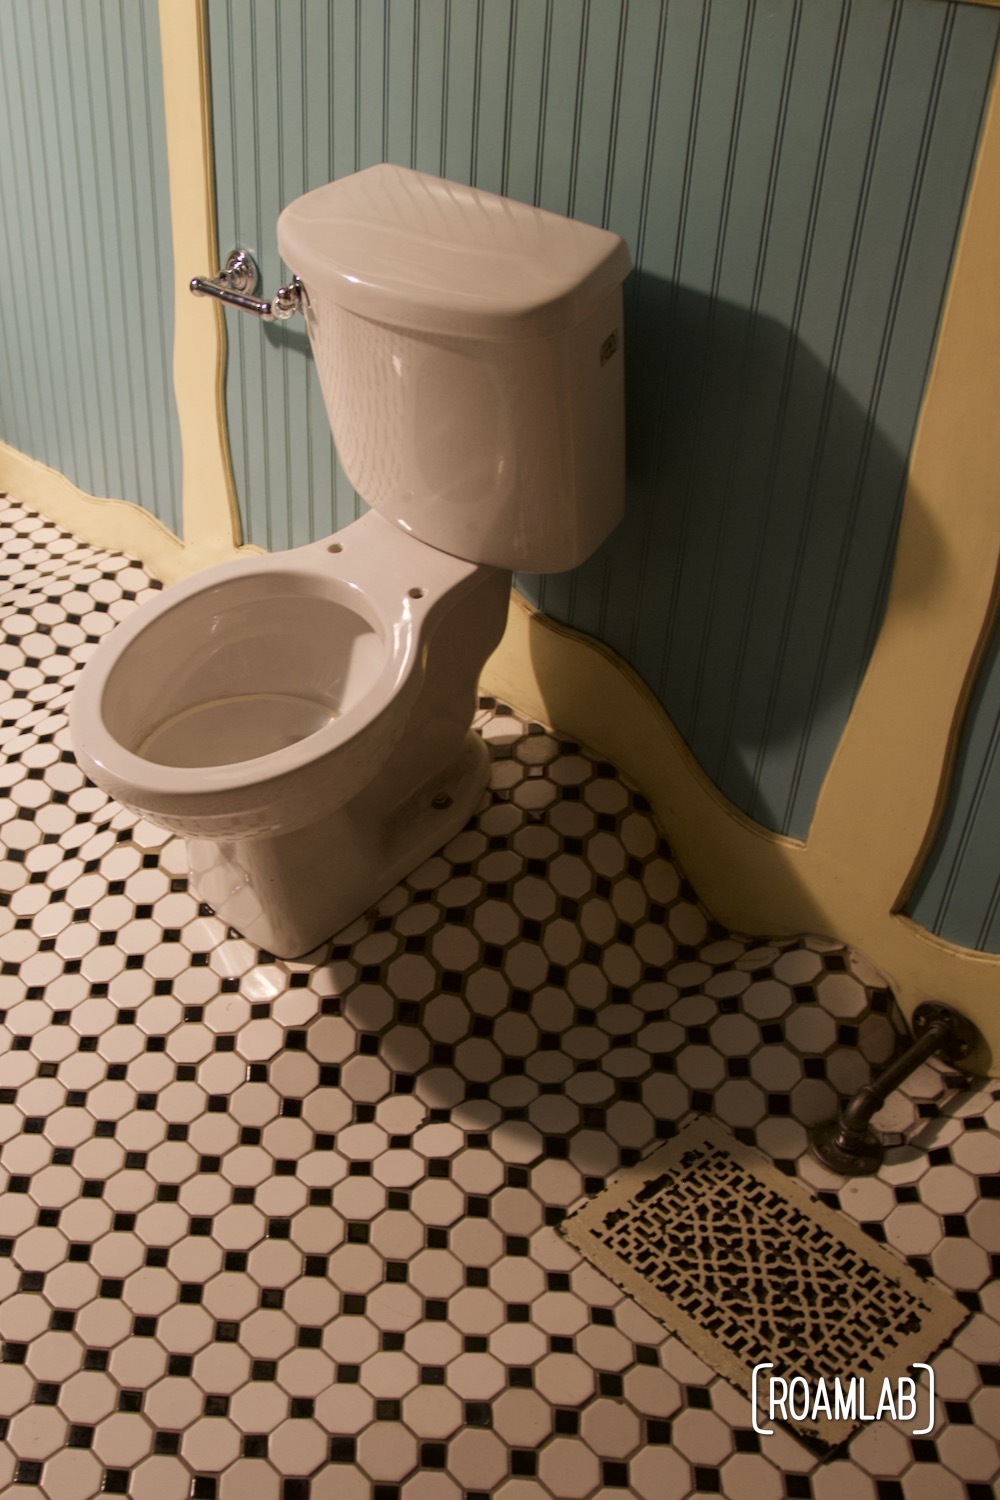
(303, 719)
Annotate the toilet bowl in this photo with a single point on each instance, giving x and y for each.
(303, 719)
(303, 715)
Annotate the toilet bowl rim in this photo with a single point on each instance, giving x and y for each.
(397, 678)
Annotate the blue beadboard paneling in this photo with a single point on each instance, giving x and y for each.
(790, 176)
(87, 319)
(958, 893)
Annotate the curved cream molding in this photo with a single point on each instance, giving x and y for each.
(210, 518)
(883, 794)
(210, 514)
(116, 524)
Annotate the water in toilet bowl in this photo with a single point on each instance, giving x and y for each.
(238, 727)
(234, 677)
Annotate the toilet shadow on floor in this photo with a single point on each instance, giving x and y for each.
(550, 975)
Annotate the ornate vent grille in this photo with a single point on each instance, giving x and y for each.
(740, 1261)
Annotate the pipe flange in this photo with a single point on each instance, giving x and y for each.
(959, 1038)
(852, 1153)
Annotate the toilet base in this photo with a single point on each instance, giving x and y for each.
(289, 893)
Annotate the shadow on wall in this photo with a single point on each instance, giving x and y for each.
(749, 578)
(292, 340)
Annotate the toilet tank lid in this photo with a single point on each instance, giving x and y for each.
(402, 247)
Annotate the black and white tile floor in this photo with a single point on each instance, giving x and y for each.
(286, 1231)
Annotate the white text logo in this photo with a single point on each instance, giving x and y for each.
(850, 1400)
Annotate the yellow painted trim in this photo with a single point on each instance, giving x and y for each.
(116, 524)
(754, 881)
(210, 514)
(885, 791)
(883, 794)
(585, 689)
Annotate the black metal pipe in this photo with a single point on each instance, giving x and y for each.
(857, 1113)
(847, 1143)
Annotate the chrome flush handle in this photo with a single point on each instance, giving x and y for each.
(236, 284)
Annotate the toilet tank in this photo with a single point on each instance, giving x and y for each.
(471, 357)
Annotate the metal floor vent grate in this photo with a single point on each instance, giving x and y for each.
(747, 1268)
